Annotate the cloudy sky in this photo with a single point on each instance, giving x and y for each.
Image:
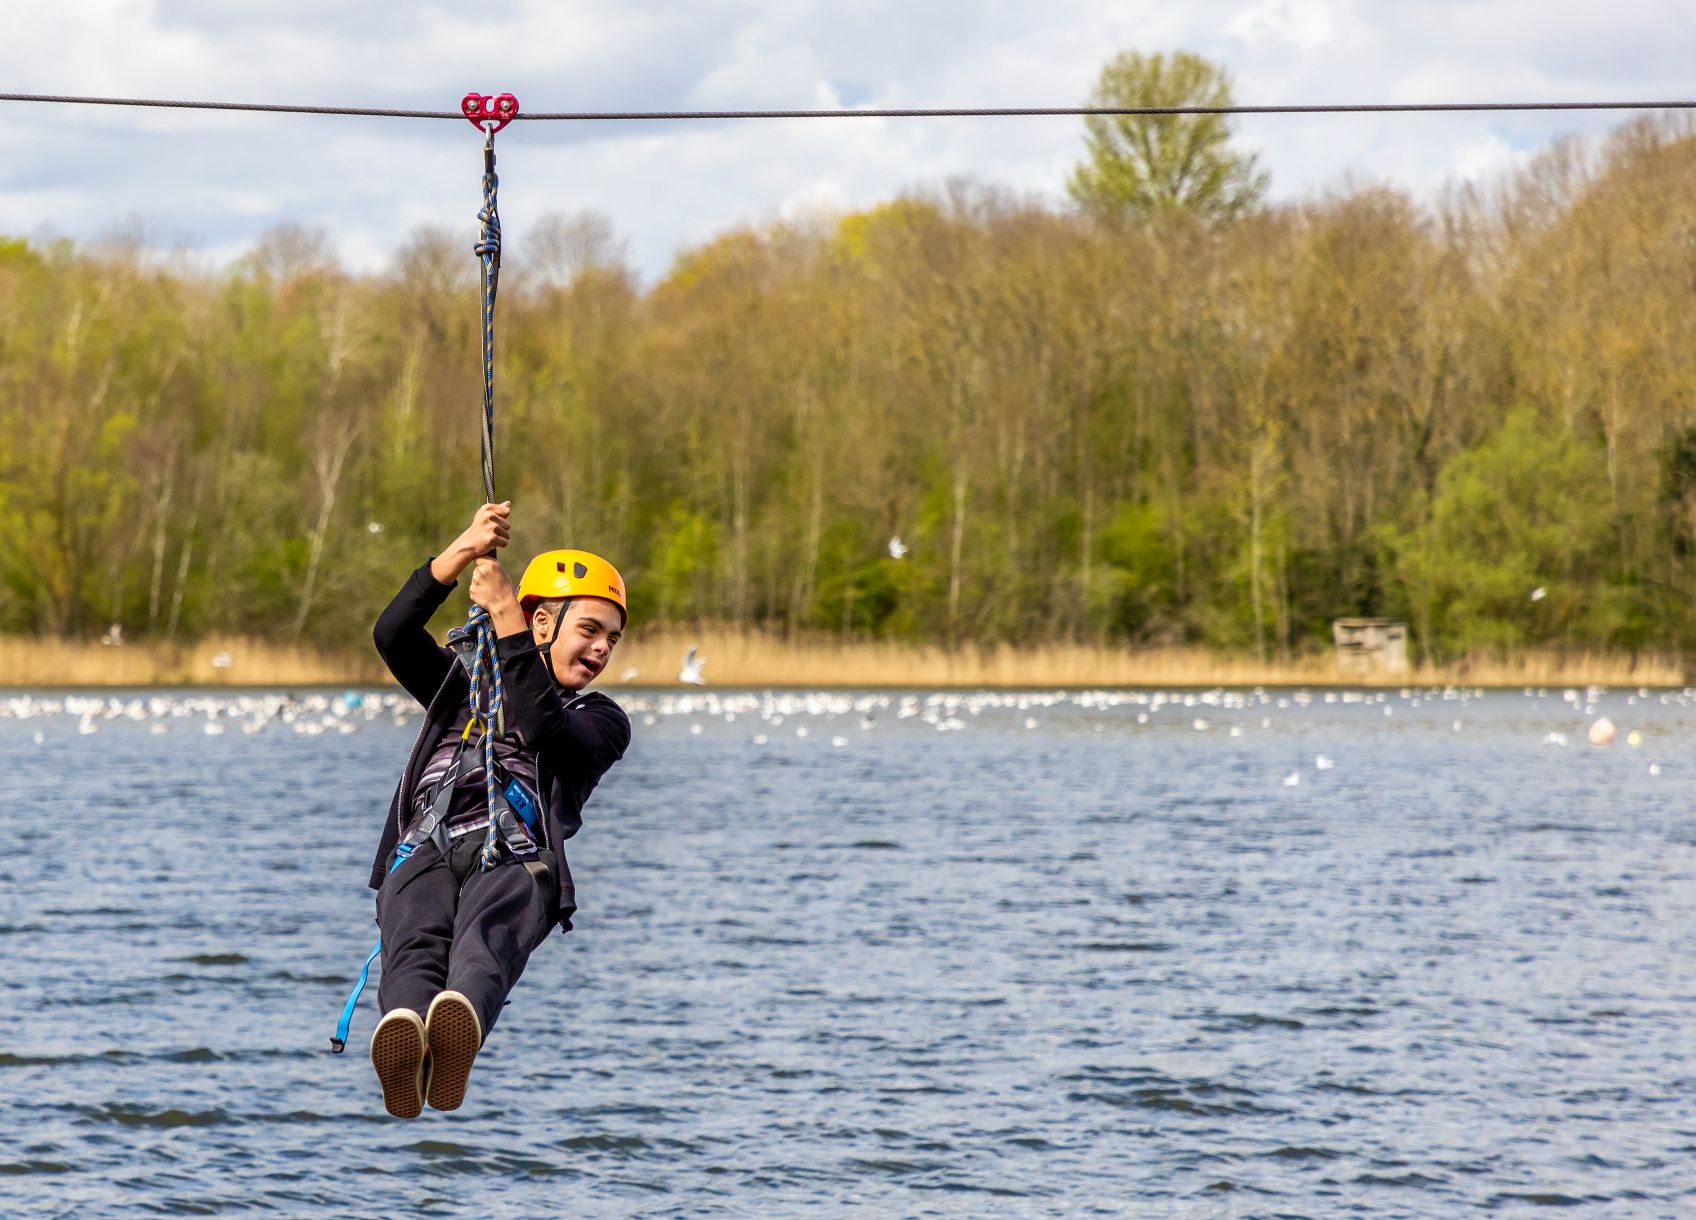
(214, 182)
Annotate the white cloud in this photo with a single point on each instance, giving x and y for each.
(224, 178)
(1486, 157)
(1299, 23)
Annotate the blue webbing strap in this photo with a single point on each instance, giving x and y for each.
(428, 828)
(338, 1042)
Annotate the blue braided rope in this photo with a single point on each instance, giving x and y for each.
(488, 251)
(487, 695)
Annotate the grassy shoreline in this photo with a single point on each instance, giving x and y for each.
(748, 658)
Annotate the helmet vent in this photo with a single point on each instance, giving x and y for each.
(578, 570)
(560, 566)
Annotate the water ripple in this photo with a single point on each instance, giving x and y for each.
(1441, 976)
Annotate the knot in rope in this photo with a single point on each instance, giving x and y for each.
(489, 241)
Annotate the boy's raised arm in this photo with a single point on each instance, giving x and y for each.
(402, 633)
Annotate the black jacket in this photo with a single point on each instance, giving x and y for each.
(574, 747)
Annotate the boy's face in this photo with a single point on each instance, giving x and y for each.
(583, 638)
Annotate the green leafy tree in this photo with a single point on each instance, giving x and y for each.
(1145, 166)
(1525, 509)
(1157, 434)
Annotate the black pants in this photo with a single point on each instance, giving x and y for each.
(448, 927)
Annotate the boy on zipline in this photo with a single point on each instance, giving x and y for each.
(469, 901)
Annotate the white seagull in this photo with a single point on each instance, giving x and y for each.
(691, 671)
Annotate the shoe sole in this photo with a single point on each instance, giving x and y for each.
(397, 1052)
(454, 1036)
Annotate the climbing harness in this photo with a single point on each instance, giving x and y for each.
(512, 807)
(515, 814)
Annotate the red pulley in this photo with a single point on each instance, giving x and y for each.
(489, 113)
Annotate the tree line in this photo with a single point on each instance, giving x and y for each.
(1169, 426)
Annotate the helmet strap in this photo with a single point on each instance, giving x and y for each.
(546, 647)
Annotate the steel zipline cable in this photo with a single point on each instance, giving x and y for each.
(592, 116)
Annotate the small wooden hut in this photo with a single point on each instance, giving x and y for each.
(1370, 646)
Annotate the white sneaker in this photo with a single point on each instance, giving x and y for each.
(454, 1035)
(398, 1053)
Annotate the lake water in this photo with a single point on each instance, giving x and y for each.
(861, 953)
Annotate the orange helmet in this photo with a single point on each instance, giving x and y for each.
(555, 574)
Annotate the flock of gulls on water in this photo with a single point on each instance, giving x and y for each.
(830, 714)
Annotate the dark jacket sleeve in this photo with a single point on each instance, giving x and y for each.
(589, 738)
(403, 637)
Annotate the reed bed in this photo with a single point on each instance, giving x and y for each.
(737, 658)
(26, 661)
(751, 658)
